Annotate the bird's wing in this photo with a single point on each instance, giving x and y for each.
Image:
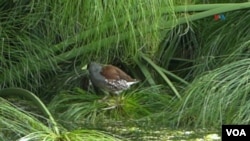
(112, 72)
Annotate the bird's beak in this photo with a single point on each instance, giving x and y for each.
(85, 67)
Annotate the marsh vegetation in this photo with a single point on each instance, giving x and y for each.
(194, 69)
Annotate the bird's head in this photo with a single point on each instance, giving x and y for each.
(94, 67)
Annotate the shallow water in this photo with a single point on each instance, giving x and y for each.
(135, 133)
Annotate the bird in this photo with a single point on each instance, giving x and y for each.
(109, 78)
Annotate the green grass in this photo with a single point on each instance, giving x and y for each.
(85, 108)
(193, 70)
(218, 97)
(18, 124)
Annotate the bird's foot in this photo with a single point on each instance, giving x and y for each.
(114, 102)
(111, 107)
(104, 99)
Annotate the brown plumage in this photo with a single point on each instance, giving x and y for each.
(112, 72)
(110, 78)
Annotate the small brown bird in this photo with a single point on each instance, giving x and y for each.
(109, 78)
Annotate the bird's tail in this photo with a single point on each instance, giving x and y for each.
(133, 82)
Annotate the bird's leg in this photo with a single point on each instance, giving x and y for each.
(105, 98)
(118, 100)
(107, 95)
(89, 85)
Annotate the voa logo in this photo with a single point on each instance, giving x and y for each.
(236, 132)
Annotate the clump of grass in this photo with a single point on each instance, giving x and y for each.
(18, 124)
(224, 42)
(84, 108)
(217, 97)
(40, 39)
